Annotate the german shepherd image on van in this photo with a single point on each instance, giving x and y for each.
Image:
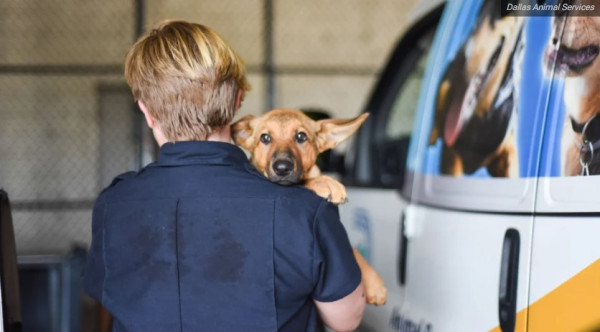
(574, 56)
(475, 111)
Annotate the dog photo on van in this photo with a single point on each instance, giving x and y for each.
(572, 54)
(477, 99)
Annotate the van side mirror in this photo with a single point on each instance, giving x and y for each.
(390, 161)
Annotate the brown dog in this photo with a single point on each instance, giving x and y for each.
(477, 98)
(284, 145)
(572, 53)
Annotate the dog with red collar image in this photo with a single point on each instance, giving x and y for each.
(475, 112)
(284, 145)
(572, 54)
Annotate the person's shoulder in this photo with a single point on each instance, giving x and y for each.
(296, 192)
(299, 203)
(123, 177)
(116, 182)
(300, 194)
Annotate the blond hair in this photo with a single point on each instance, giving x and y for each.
(188, 78)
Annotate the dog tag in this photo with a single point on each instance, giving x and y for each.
(585, 169)
(586, 154)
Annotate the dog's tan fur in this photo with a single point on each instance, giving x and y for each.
(581, 92)
(482, 40)
(283, 126)
(503, 162)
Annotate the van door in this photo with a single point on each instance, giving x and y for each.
(373, 215)
(565, 288)
(474, 160)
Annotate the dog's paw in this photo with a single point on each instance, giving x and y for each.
(328, 188)
(375, 291)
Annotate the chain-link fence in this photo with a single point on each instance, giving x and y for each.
(68, 124)
(64, 122)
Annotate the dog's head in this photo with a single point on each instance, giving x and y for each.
(572, 52)
(284, 144)
(473, 80)
(574, 44)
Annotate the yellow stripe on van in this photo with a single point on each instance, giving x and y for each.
(572, 306)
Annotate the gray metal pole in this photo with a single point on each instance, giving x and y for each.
(148, 147)
(269, 66)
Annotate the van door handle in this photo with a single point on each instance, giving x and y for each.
(509, 272)
(402, 251)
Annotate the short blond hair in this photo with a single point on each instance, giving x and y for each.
(188, 78)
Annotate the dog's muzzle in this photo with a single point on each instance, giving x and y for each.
(284, 170)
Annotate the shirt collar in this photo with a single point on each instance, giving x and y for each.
(200, 152)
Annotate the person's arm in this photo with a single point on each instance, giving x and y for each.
(338, 293)
(344, 314)
(93, 280)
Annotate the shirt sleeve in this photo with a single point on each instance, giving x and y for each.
(335, 269)
(94, 270)
(93, 281)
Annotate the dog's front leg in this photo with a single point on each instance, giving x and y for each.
(328, 188)
(375, 291)
(325, 186)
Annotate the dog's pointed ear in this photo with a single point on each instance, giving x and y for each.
(332, 132)
(242, 132)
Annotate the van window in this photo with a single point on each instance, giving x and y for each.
(396, 117)
(481, 113)
(378, 157)
(402, 113)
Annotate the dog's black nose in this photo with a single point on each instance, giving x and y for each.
(283, 167)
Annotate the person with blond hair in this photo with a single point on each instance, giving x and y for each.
(199, 240)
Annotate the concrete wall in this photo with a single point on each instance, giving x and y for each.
(59, 121)
(65, 31)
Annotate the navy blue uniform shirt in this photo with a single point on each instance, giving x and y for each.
(200, 241)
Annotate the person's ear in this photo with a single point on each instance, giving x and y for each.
(149, 118)
(239, 98)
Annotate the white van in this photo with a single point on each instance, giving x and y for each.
(489, 219)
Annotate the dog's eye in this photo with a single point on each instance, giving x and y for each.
(301, 137)
(265, 138)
